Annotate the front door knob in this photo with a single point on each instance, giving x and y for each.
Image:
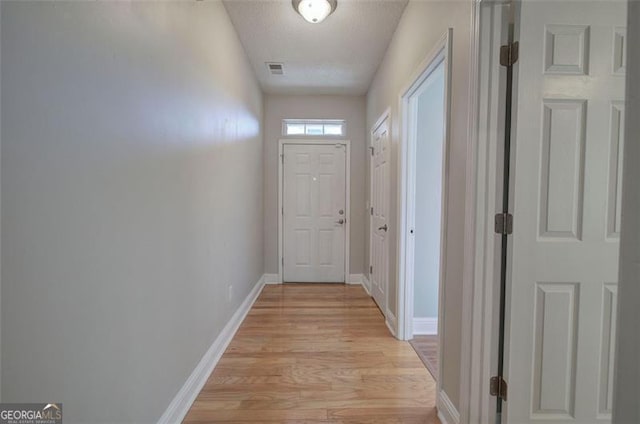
(383, 228)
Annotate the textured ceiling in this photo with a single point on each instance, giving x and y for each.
(337, 56)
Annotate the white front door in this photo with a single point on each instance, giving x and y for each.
(314, 213)
(564, 268)
(380, 174)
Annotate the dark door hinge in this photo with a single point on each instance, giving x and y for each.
(504, 223)
(509, 54)
(372, 150)
(371, 210)
(370, 269)
(498, 387)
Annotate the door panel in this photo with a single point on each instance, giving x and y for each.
(380, 215)
(314, 202)
(562, 168)
(564, 257)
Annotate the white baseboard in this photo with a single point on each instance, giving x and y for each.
(425, 326)
(272, 279)
(392, 323)
(366, 284)
(355, 279)
(447, 412)
(179, 406)
(362, 280)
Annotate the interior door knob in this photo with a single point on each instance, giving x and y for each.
(340, 221)
(384, 228)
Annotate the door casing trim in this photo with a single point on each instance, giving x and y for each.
(441, 53)
(484, 174)
(312, 142)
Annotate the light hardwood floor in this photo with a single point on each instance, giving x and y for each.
(316, 354)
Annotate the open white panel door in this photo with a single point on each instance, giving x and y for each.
(314, 213)
(380, 214)
(566, 192)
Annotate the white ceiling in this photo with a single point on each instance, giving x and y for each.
(337, 56)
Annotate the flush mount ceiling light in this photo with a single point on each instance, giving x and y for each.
(315, 11)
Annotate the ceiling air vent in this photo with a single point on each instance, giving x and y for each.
(275, 68)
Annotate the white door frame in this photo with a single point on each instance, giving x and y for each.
(347, 227)
(483, 194)
(625, 407)
(441, 53)
(386, 115)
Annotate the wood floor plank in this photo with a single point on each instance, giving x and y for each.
(316, 353)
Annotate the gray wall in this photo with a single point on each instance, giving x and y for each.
(131, 199)
(352, 110)
(421, 26)
(626, 403)
(428, 212)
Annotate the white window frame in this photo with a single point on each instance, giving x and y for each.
(306, 122)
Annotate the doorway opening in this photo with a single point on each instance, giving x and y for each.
(423, 203)
(313, 201)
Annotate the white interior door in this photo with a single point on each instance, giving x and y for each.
(314, 213)
(380, 214)
(568, 151)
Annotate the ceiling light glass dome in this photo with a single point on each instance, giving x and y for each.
(314, 11)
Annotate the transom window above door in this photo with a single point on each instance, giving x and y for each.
(314, 127)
